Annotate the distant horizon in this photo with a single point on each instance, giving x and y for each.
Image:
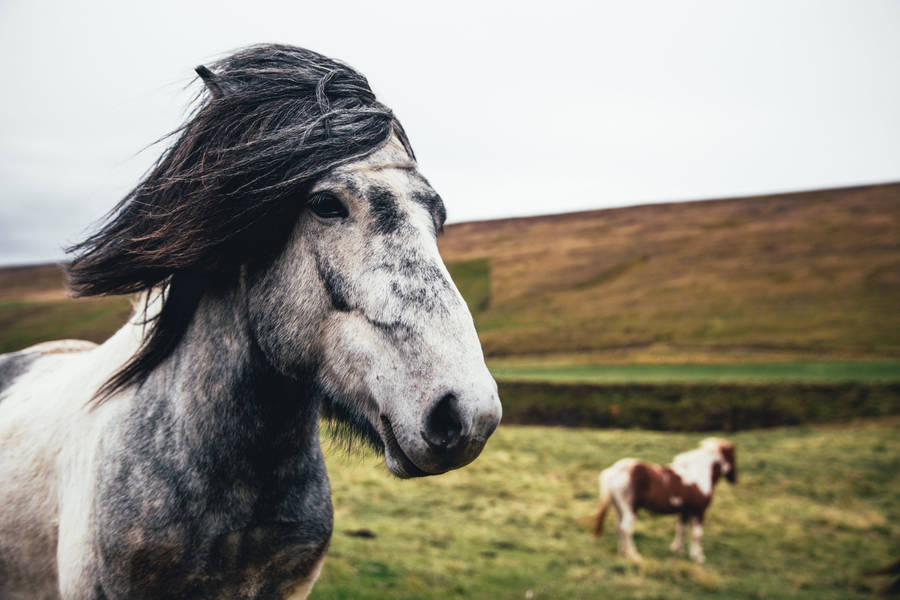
(62, 260)
(614, 206)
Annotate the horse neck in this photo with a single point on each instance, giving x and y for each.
(229, 410)
(696, 467)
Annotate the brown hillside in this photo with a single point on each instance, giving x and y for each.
(788, 275)
(33, 282)
(809, 273)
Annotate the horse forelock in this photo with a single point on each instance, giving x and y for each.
(229, 188)
(724, 449)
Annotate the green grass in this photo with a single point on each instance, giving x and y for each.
(811, 371)
(814, 506)
(23, 323)
(473, 280)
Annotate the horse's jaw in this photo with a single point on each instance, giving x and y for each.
(432, 410)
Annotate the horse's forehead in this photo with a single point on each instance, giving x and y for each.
(400, 178)
(389, 167)
(390, 156)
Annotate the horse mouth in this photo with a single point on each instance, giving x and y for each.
(392, 448)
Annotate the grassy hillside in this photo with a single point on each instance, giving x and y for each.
(34, 308)
(774, 279)
(813, 507)
(813, 274)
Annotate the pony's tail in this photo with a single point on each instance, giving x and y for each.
(605, 499)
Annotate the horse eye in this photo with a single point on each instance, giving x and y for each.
(328, 206)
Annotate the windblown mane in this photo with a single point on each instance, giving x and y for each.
(271, 121)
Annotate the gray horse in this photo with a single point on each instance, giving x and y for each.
(284, 248)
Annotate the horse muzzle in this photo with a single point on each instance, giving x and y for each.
(451, 434)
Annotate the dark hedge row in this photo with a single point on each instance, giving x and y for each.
(694, 407)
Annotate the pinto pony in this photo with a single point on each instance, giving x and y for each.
(285, 250)
(684, 488)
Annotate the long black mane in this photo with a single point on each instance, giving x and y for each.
(271, 120)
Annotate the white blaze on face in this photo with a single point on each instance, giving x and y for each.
(398, 337)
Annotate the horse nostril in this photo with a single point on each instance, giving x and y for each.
(443, 426)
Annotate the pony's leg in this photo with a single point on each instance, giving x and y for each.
(696, 537)
(678, 542)
(618, 507)
(627, 519)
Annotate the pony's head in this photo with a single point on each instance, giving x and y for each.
(725, 458)
(292, 184)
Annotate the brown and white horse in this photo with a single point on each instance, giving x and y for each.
(684, 488)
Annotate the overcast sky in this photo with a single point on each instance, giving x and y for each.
(513, 108)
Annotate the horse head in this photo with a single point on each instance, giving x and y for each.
(725, 457)
(361, 288)
(294, 185)
(730, 462)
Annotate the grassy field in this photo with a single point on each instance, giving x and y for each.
(814, 506)
(23, 323)
(806, 371)
(34, 307)
(811, 274)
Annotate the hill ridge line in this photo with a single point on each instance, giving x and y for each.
(772, 196)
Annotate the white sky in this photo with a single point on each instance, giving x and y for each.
(512, 110)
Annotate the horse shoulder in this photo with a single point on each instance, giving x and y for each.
(695, 483)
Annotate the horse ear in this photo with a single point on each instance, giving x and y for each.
(210, 79)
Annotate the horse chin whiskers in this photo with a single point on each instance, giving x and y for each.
(350, 438)
(392, 450)
(349, 426)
